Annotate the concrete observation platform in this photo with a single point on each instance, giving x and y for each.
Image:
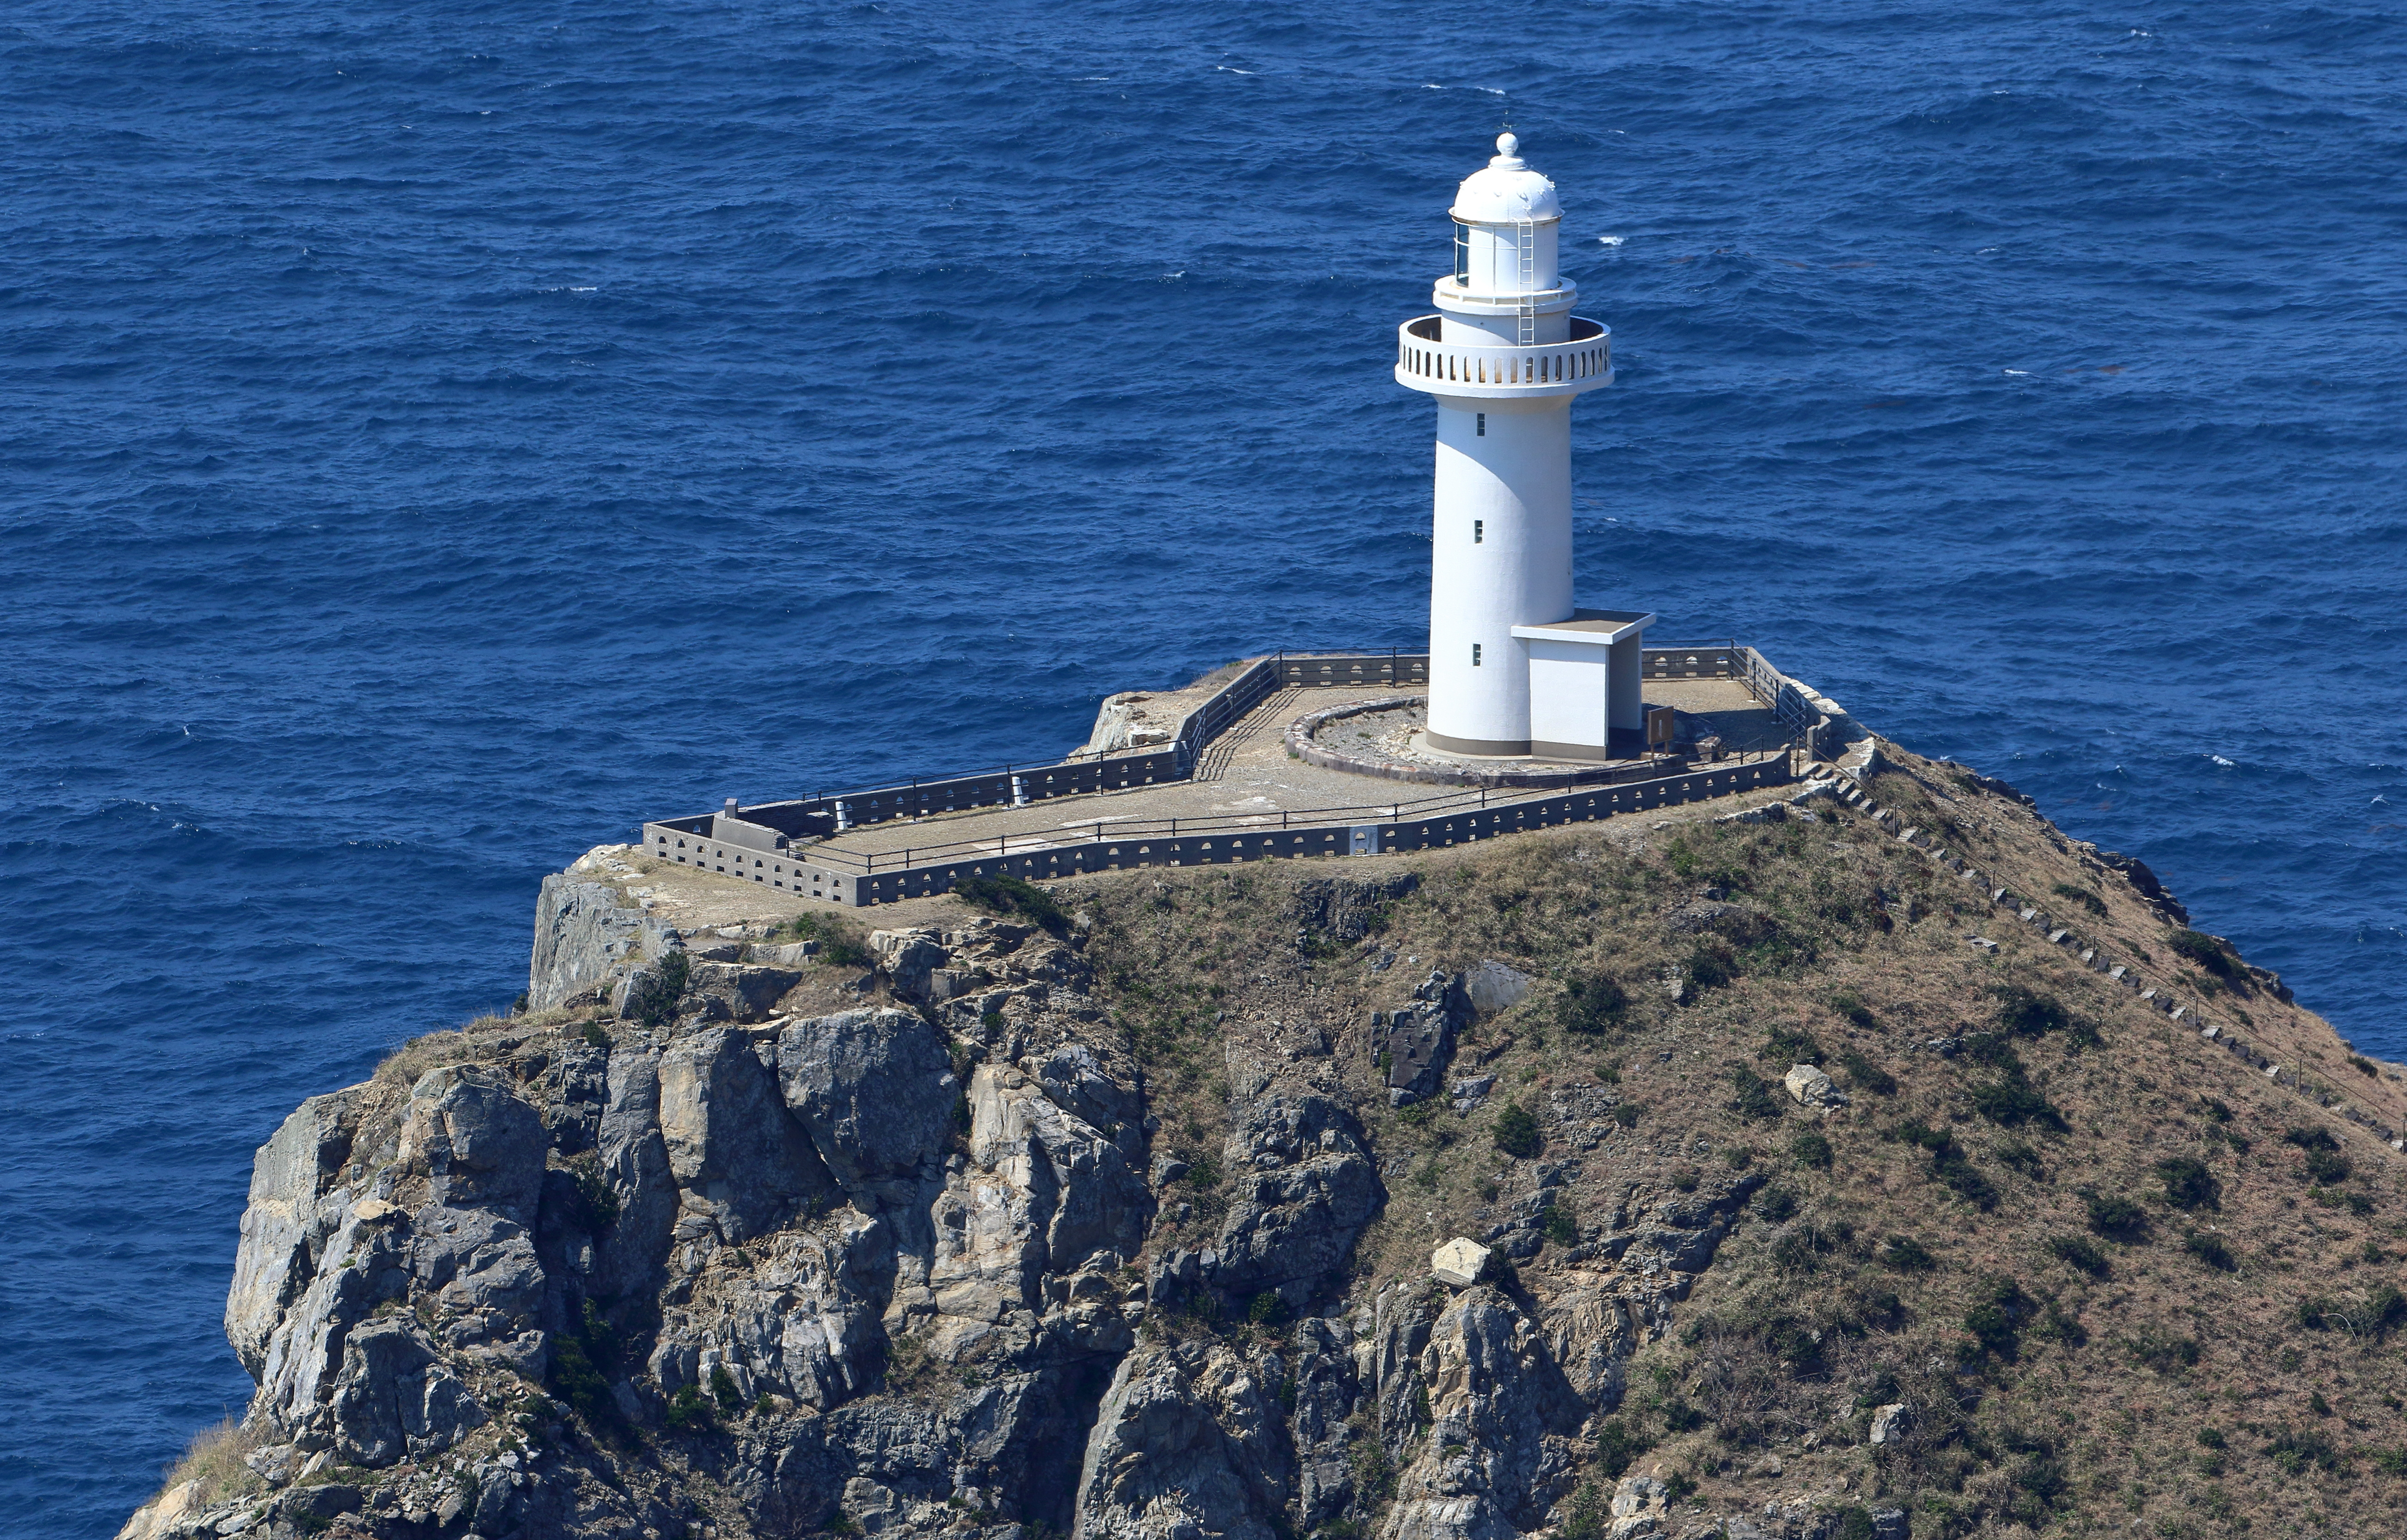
(1240, 778)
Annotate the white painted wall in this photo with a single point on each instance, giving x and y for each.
(1514, 488)
(1570, 693)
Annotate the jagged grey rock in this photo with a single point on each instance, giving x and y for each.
(874, 1089)
(1419, 1037)
(586, 937)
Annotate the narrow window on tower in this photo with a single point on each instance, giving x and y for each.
(1462, 253)
(1475, 654)
(1478, 531)
(1483, 424)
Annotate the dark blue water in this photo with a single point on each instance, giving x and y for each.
(434, 439)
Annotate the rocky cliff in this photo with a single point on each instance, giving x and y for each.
(1871, 1161)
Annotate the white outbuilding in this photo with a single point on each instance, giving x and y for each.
(1515, 667)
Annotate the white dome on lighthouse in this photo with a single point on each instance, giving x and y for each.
(1506, 191)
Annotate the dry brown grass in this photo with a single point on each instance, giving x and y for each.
(214, 1459)
(405, 1064)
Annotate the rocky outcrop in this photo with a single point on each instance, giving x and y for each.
(1417, 1042)
(901, 1263)
(1497, 1452)
(586, 935)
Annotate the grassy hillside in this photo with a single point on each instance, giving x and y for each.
(2127, 1280)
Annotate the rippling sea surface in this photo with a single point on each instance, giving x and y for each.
(434, 439)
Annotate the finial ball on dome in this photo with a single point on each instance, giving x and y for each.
(1507, 144)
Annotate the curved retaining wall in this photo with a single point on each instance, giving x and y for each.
(757, 842)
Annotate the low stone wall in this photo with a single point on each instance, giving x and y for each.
(768, 842)
(1386, 838)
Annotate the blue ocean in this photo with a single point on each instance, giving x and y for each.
(435, 437)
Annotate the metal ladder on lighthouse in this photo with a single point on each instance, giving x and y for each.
(1525, 247)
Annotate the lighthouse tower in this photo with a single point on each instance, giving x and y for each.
(1515, 667)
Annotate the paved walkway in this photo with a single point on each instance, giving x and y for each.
(1246, 780)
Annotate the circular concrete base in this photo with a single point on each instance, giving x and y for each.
(1389, 739)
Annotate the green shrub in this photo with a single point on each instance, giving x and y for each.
(653, 993)
(579, 1361)
(1907, 1255)
(2325, 1165)
(596, 1205)
(1791, 1045)
(1267, 1309)
(2363, 1065)
(1863, 1074)
(2162, 1351)
(1710, 966)
(1558, 1226)
(840, 943)
(1996, 1318)
(2294, 1449)
(1854, 1522)
(689, 1413)
(1776, 1205)
(1005, 894)
(1851, 1009)
(2016, 1155)
(596, 1037)
(1617, 1446)
(2082, 896)
(1586, 1519)
(2080, 1251)
(2189, 1184)
(2205, 951)
(723, 1390)
(1516, 1132)
(1810, 1148)
(1950, 1164)
(2014, 1101)
(2115, 1217)
(2025, 1012)
(1627, 1113)
(2209, 1249)
(1754, 1095)
(1594, 1005)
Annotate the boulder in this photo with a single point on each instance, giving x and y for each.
(1303, 1188)
(396, 1398)
(1498, 1454)
(1891, 1423)
(1459, 1262)
(874, 1089)
(1176, 1454)
(283, 1229)
(744, 992)
(1809, 1086)
(1344, 909)
(1492, 987)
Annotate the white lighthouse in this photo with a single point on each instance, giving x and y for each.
(1515, 667)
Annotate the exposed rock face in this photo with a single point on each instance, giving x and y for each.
(1419, 1039)
(584, 936)
(905, 1261)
